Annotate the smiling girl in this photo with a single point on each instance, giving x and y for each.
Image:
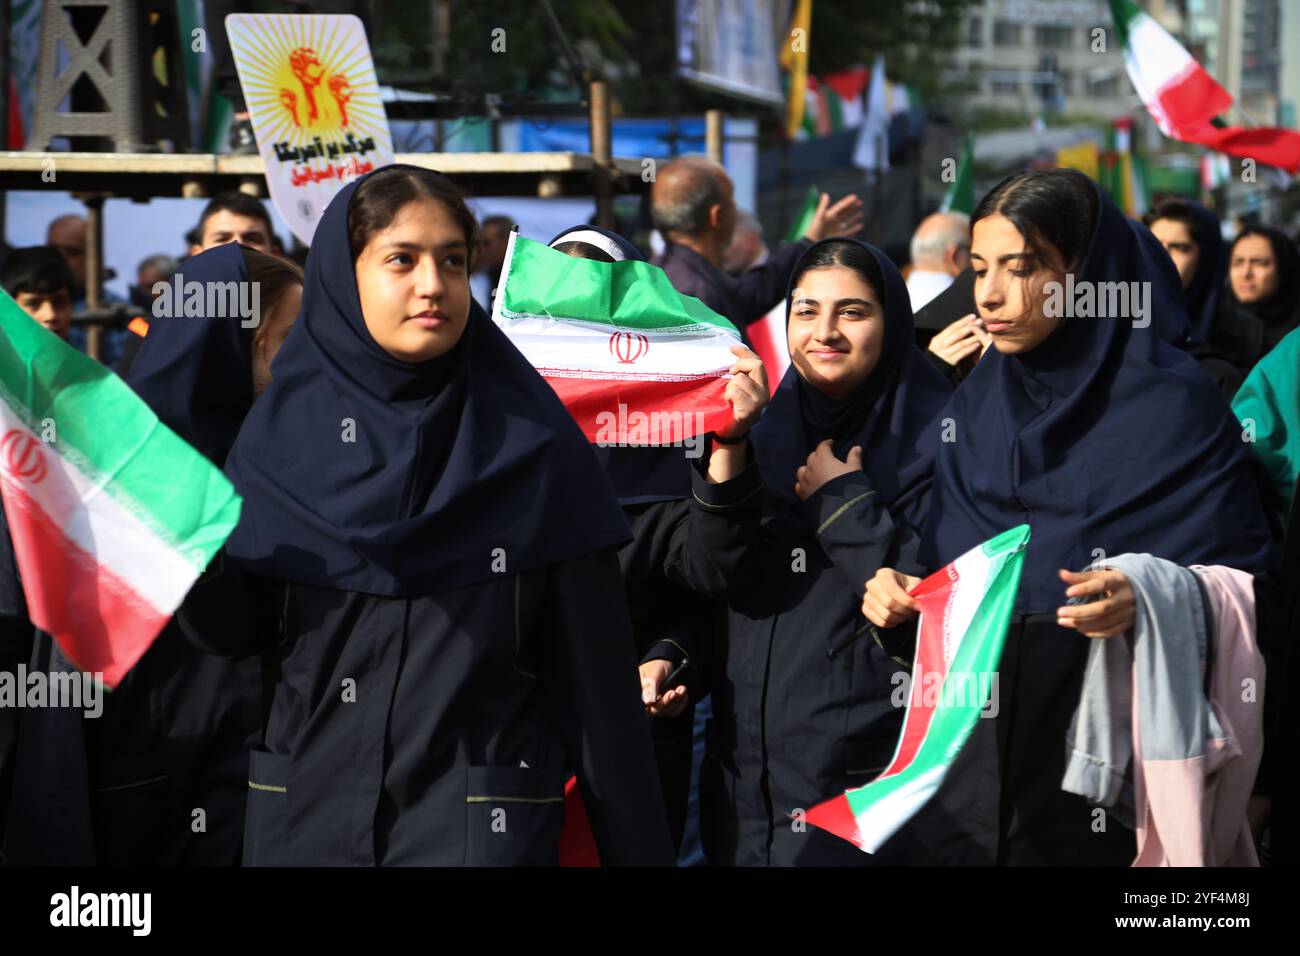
(802, 707)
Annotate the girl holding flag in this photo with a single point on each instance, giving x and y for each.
(1105, 440)
(802, 699)
(426, 562)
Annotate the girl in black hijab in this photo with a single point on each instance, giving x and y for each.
(801, 703)
(159, 777)
(1105, 439)
(426, 560)
(1261, 303)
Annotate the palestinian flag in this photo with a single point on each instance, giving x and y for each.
(112, 516)
(1184, 100)
(633, 360)
(965, 611)
(835, 102)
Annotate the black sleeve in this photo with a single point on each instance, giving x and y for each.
(227, 612)
(590, 677)
(715, 536)
(755, 291)
(861, 536)
(858, 533)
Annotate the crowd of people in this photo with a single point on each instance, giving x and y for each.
(447, 630)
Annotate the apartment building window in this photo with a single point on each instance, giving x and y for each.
(1103, 87)
(975, 32)
(1066, 81)
(1005, 83)
(1055, 37)
(1006, 33)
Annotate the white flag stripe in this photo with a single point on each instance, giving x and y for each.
(972, 572)
(1163, 63)
(552, 343)
(883, 818)
(97, 523)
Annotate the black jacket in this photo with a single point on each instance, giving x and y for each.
(439, 730)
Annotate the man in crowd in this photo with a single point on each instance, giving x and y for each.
(493, 237)
(694, 207)
(747, 248)
(940, 251)
(67, 234)
(234, 217)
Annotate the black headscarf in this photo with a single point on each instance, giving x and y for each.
(195, 372)
(1101, 439)
(449, 460)
(1211, 270)
(893, 414)
(1279, 312)
(640, 475)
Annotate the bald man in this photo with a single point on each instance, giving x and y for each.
(694, 208)
(940, 251)
(67, 233)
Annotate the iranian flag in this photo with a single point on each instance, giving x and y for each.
(965, 611)
(1184, 100)
(112, 515)
(767, 334)
(634, 361)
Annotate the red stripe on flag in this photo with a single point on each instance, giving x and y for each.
(1193, 99)
(594, 404)
(768, 340)
(836, 816)
(930, 669)
(100, 623)
(1264, 144)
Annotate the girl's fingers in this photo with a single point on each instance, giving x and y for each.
(872, 610)
(896, 596)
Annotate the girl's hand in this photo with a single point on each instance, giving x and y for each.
(963, 340)
(886, 602)
(670, 704)
(822, 466)
(1114, 612)
(746, 391)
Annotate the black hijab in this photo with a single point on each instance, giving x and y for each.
(1280, 312)
(893, 414)
(1211, 270)
(1102, 439)
(449, 460)
(195, 372)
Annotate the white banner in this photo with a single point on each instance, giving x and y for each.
(315, 107)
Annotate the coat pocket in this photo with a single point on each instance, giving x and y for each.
(135, 818)
(267, 815)
(513, 816)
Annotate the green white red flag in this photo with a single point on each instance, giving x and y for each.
(112, 515)
(1185, 101)
(965, 611)
(634, 361)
